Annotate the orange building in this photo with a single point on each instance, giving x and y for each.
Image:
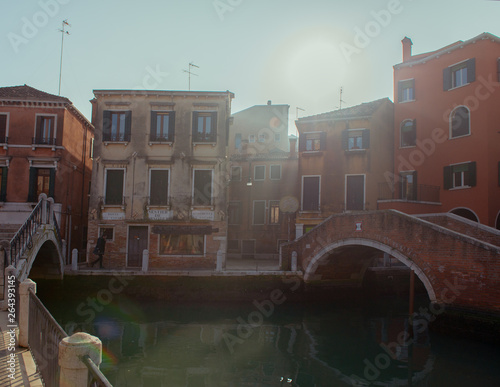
(45, 147)
(344, 156)
(446, 137)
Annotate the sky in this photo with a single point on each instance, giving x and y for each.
(299, 53)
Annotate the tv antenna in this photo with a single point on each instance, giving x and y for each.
(63, 32)
(340, 99)
(297, 112)
(191, 64)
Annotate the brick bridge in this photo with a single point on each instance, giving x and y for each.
(458, 261)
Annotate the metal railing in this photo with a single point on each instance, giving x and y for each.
(420, 193)
(160, 138)
(22, 238)
(44, 336)
(43, 141)
(57, 230)
(116, 137)
(96, 377)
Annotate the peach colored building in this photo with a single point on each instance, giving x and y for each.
(446, 132)
(45, 147)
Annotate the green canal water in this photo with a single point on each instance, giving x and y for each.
(270, 340)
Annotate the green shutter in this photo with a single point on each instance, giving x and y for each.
(447, 177)
(366, 139)
(195, 126)
(3, 189)
(106, 125)
(171, 126)
(322, 141)
(32, 185)
(345, 139)
(152, 135)
(213, 132)
(472, 174)
(52, 182)
(446, 79)
(128, 125)
(471, 70)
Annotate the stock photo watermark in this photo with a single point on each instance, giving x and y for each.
(32, 25)
(224, 6)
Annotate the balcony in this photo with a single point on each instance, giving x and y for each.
(115, 137)
(419, 193)
(43, 141)
(160, 139)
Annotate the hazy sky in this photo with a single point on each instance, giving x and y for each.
(291, 52)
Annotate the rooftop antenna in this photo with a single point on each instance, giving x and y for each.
(340, 99)
(63, 32)
(191, 64)
(297, 112)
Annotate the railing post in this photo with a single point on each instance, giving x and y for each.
(145, 260)
(24, 310)
(64, 245)
(220, 260)
(74, 260)
(294, 261)
(74, 373)
(50, 220)
(43, 197)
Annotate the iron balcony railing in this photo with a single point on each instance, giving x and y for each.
(418, 193)
(40, 140)
(153, 137)
(22, 239)
(116, 137)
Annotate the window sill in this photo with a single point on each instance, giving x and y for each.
(353, 151)
(407, 101)
(456, 137)
(213, 144)
(312, 153)
(458, 87)
(104, 206)
(160, 206)
(169, 143)
(202, 208)
(407, 146)
(106, 143)
(34, 146)
(460, 188)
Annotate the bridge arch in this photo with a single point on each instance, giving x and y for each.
(317, 258)
(47, 262)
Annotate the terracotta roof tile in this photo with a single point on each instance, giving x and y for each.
(364, 110)
(28, 93)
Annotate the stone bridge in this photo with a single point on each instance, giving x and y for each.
(458, 261)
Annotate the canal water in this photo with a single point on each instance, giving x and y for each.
(271, 341)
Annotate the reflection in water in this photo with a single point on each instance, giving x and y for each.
(329, 344)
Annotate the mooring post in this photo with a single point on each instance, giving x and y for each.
(74, 260)
(24, 310)
(74, 372)
(145, 260)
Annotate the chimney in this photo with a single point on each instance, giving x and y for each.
(406, 48)
(269, 103)
(293, 147)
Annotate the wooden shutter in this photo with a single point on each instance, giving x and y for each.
(128, 125)
(471, 70)
(447, 177)
(32, 185)
(171, 126)
(195, 126)
(3, 188)
(366, 139)
(472, 173)
(106, 125)
(322, 141)
(414, 90)
(400, 91)
(446, 79)
(52, 182)
(213, 129)
(38, 131)
(345, 139)
(152, 133)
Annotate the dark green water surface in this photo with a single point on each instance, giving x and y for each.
(270, 340)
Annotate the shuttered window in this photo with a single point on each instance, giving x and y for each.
(116, 126)
(234, 213)
(114, 186)
(204, 126)
(460, 74)
(41, 180)
(202, 187)
(355, 139)
(310, 193)
(162, 126)
(313, 141)
(158, 188)
(3, 184)
(408, 133)
(406, 90)
(460, 175)
(259, 212)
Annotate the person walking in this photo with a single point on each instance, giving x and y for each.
(99, 250)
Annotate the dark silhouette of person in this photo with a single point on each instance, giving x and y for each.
(99, 250)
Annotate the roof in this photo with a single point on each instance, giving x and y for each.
(421, 58)
(168, 93)
(28, 93)
(366, 109)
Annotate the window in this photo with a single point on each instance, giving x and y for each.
(115, 179)
(355, 193)
(41, 180)
(235, 173)
(116, 126)
(158, 187)
(202, 187)
(3, 184)
(109, 232)
(312, 141)
(3, 128)
(459, 75)
(406, 90)
(259, 212)
(274, 212)
(91, 147)
(204, 126)
(262, 138)
(182, 244)
(162, 127)
(45, 133)
(251, 138)
(275, 172)
(234, 213)
(408, 133)
(310, 193)
(259, 172)
(409, 185)
(233, 245)
(277, 137)
(460, 175)
(237, 141)
(459, 122)
(355, 139)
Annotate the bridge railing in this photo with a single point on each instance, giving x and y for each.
(57, 230)
(22, 239)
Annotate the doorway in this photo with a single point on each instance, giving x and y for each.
(355, 193)
(137, 243)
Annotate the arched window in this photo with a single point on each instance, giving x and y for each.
(460, 122)
(408, 133)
